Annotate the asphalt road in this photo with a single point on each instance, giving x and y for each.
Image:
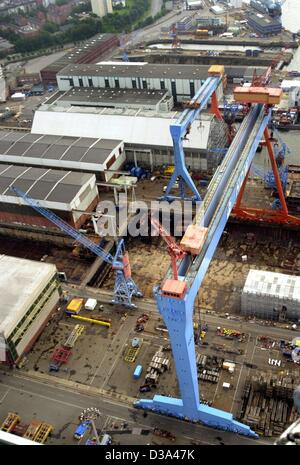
(155, 7)
(147, 305)
(61, 407)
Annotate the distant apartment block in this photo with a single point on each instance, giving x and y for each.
(10, 7)
(101, 7)
(91, 51)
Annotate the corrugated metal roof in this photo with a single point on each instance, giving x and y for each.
(277, 285)
(148, 70)
(41, 184)
(14, 146)
(135, 129)
(116, 96)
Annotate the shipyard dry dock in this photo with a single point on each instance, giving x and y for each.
(96, 348)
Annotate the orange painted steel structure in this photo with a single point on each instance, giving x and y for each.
(265, 95)
(280, 216)
(175, 251)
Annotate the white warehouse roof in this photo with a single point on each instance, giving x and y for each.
(288, 84)
(278, 285)
(133, 127)
(21, 282)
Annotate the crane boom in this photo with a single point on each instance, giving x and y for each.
(63, 226)
(125, 288)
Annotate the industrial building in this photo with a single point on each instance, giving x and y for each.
(217, 10)
(206, 21)
(29, 295)
(182, 82)
(90, 51)
(184, 24)
(91, 155)
(271, 295)
(66, 193)
(194, 4)
(146, 134)
(263, 24)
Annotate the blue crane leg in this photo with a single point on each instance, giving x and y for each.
(178, 131)
(178, 313)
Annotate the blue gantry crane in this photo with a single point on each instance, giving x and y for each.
(181, 128)
(125, 288)
(175, 298)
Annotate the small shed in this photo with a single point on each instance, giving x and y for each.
(90, 304)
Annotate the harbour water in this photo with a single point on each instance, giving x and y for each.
(291, 21)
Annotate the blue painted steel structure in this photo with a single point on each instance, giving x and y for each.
(179, 130)
(177, 313)
(125, 288)
(269, 177)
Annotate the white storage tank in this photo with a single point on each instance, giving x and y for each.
(271, 295)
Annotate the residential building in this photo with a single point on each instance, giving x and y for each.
(101, 7)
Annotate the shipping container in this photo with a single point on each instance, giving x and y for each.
(137, 372)
(75, 306)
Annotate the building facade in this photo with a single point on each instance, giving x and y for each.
(90, 51)
(263, 24)
(182, 82)
(29, 295)
(101, 7)
(273, 296)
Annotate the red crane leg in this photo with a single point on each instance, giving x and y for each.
(242, 190)
(275, 171)
(174, 267)
(215, 106)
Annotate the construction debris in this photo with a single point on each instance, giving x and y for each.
(158, 365)
(209, 367)
(268, 402)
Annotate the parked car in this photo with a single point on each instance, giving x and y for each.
(145, 388)
(81, 430)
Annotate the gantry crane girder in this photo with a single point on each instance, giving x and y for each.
(124, 288)
(177, 312)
